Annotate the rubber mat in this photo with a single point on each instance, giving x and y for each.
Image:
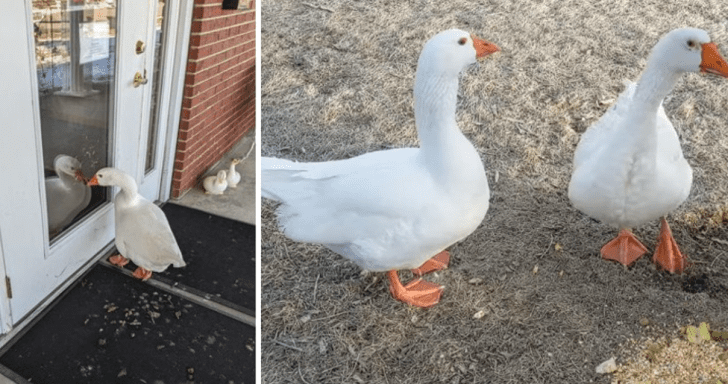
(219, 252)
(111, 328)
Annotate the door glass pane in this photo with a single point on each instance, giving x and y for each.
(157, 79)
(74, 47)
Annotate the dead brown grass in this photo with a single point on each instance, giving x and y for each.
(337, 82)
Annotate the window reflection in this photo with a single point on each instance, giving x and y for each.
(75, 49)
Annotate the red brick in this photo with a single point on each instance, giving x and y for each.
(207, 12)
(206, 26)
(181, 156)
(219, 96)
(184, 125)
(249, 35)
(182, 145)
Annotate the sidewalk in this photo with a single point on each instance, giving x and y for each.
(236, 203)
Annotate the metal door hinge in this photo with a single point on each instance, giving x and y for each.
(8, 287)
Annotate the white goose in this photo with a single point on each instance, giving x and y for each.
(216, 185)
(628, 167)
(143, 234)
(66, 194)
(395, 209)
(233, 177)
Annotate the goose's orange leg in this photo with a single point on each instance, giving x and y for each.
(667, 255)
(624, 249)
(418, 292)
(437, 263)
(119, 260)
(142, 274)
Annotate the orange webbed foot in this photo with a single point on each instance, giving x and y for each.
(142, 274)
(437, 263)
(418, 292)
(624, 249)
(667, 255)
(119, 260)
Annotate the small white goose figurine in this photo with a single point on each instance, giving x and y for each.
(143, 234)
(233, 177)
(66, 194)
(216, 184)
(628, 167)
(400, 208)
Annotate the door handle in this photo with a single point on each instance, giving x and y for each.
(139, 79)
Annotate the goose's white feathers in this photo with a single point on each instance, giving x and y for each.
(393, 209)
(233, 176)
(216, 184)
(626, 183)
(143, 234)
(629, 167)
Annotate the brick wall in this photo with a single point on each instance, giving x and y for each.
(218, 107)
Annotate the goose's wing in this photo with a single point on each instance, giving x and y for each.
(146, 238)
(333, 202)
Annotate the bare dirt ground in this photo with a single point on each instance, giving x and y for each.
(337, 82)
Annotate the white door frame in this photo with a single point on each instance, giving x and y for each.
(20, 109)
(176, 61)
(172, 89)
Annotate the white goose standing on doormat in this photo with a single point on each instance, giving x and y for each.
(143, 234)
(401, 208)
(628, 167)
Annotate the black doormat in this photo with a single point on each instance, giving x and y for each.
(219, 252)
(114, 329)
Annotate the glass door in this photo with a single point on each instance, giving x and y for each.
(75, 51)
(80, 99)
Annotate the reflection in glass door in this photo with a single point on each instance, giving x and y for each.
(75, 43)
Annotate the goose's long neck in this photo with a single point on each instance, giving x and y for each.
(129, 191)
(655, 83)
(68, 180)
(435, 102)
(444, 151)
(653, 86)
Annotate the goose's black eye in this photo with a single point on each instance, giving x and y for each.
(691, 44)
(463, 40)
(100, 175)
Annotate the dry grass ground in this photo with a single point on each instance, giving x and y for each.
(337, 82)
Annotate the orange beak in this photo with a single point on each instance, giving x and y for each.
(483, 48)
(713, 62)
(80, 176)
(93, 181)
